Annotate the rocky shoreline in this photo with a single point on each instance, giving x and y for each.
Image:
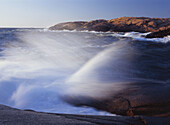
(12, 116)
(147, 99)
(159, 26)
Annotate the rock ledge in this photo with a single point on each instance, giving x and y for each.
(11, 116)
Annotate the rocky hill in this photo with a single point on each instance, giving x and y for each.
(123, 24)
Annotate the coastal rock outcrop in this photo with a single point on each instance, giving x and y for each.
(68, 26)
(132, 80)
(123, 24)
(11, 116)
(131, 102)
(159, 34)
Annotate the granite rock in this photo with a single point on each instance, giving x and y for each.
(11, 116)
(123, 24)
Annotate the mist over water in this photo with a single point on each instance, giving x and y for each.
(38, 68)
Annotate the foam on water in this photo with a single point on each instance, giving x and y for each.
(38, 67)
(134, 35)
(141, 37)
(33, 71)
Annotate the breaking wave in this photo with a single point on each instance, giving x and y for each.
(38, 67)
(133, 35)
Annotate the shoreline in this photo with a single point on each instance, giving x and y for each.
(159, 27)
(11, 116)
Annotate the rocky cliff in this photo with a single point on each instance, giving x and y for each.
(123, 24)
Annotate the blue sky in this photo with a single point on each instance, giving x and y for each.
(44, 13)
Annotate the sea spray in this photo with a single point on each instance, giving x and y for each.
(38, 68)
(35, 65)
(105, 74)
(124, 68)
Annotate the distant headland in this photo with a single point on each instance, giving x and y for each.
(160, 27)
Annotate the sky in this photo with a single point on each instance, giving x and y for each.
(45, 13)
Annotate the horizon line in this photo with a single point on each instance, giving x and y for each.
(77, 20)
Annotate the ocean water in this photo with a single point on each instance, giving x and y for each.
(39, 67)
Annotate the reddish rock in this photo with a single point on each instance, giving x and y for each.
(123, 24)
(139, 24)
(130, 102)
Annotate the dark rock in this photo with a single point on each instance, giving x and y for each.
(129, 102)
(97, 25)
(159, 34)
(10, 116)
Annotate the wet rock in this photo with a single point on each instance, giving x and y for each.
(10, 116)
(131, 102)
(130, 80)
(159, 34)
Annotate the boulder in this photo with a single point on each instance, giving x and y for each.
(148, 100)
(159, 34)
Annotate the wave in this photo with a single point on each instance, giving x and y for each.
(141, 37)
(34, 66)
(135, 35)
(38, 67)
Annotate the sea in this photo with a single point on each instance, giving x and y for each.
(39, 67)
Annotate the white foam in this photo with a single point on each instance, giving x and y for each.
(141, 37)
(158, 40)
(34, 71)
(135, 35)
(99, 76)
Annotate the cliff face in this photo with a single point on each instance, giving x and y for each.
(123, 24)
